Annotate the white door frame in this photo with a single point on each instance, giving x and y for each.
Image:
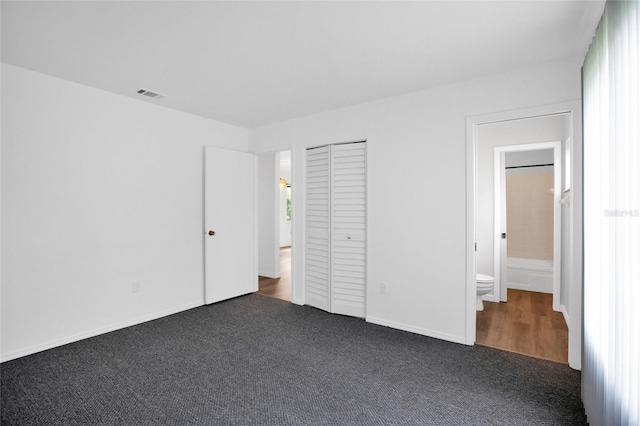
(499, 199)
(574, 310)
(268, 195)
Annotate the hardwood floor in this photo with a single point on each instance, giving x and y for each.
(525, 324)
(280, 288)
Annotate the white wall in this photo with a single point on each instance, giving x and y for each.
(529, 158)
(268, 212)
(99, 192)
(416, 187)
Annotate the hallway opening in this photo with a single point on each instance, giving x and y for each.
(280, 287)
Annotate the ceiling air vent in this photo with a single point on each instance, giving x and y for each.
(149, 93)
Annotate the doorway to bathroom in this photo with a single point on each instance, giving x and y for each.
(527, 249)
(527, 217)
(541, 288)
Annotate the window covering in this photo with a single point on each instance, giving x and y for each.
(610, 77)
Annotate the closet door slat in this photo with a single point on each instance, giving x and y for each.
(318, 226)
(348, 236)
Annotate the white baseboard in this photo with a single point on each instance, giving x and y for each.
(417, 330)
(96, 332)
(565, 314)
(269, 274)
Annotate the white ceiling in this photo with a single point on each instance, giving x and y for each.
(254, 63)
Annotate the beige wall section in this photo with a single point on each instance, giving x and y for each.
(530, 215)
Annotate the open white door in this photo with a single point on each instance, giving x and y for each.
(229, 224)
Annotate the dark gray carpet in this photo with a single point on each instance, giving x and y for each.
(261, 361)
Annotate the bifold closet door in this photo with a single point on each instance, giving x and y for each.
(348, 210)
(318, 243)
(336, 228)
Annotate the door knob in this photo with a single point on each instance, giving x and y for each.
(212, 233)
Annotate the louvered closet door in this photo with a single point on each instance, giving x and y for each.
(318, 243)
(348, 213)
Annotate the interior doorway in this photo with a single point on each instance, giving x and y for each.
(527, 218)
(528, 247)
(481, 236)
(280, 287)
(276, 217)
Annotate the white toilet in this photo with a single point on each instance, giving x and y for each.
(484, 285)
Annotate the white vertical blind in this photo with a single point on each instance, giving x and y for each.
(611, 79)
